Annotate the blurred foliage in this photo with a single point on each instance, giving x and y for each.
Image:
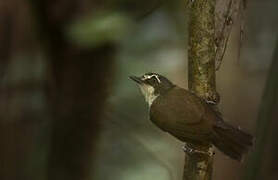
(100, 29)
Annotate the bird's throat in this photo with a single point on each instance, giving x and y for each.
(148, 93)
(150, 99)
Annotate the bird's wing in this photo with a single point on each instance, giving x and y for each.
(181, 113)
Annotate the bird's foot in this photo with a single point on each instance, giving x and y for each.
(190, 150)
(210, 102)
(187, 149)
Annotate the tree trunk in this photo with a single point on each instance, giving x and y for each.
(201, 77)
(78, 86)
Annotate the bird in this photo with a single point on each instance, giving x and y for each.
(190, 118)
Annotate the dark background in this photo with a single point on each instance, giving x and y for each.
(69, 111)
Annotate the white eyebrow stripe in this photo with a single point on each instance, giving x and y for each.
(150, 76)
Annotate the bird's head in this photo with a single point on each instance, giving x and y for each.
(152, 85)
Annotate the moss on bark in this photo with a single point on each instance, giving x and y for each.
(201, 50)
(201, 77)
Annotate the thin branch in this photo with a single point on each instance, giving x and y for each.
(226, 13)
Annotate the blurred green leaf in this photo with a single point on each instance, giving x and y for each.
(99, 29)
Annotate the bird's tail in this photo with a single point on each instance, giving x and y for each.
(231, 141)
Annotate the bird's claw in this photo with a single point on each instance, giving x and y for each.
(187, 149)
(190, 150)
(210, 102)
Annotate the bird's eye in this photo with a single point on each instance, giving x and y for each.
(152, 80)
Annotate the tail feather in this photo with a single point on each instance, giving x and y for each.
(226, 149)
(231, 141)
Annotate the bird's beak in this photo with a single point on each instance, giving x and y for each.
(136, 79)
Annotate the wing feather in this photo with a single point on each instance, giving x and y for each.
(182, 114)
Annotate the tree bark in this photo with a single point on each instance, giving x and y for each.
(201, 77)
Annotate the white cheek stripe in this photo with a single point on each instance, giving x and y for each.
(150, 76)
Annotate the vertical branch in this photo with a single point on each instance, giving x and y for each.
(201, 77)
(201, 51)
